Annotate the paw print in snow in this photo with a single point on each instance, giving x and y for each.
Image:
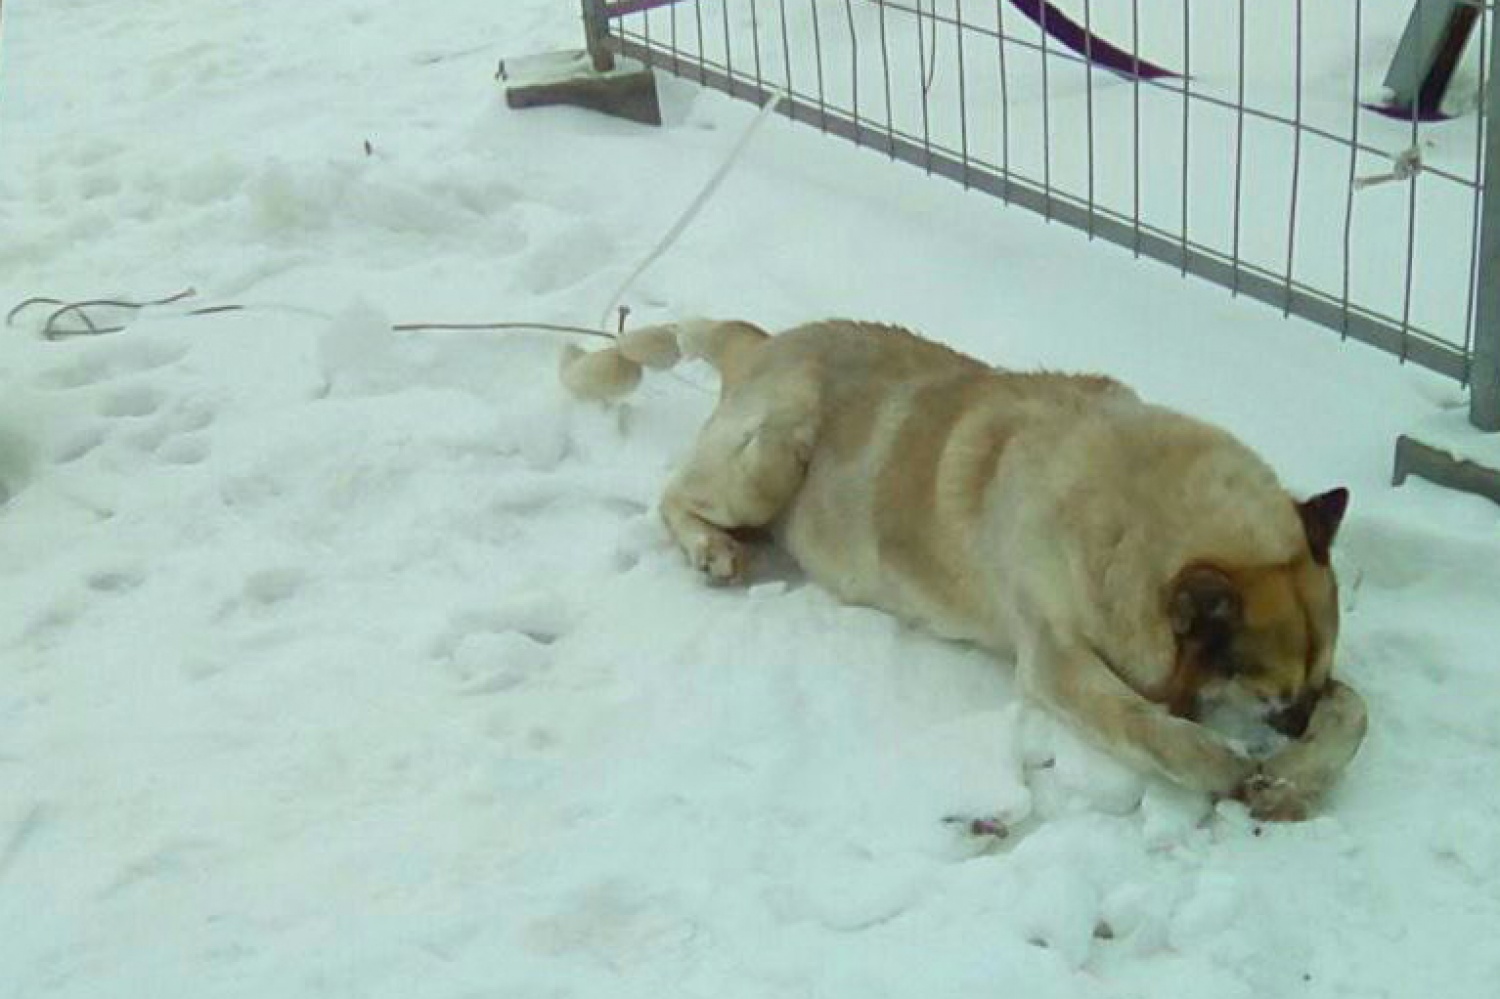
(501, 648)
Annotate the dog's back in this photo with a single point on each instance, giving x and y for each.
(910, 440)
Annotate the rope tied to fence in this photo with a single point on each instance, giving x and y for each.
(1404, 166)
(694, 207)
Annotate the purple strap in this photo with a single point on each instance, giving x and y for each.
(1405, 114)
(1072, 35)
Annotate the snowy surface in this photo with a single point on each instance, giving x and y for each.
(336, 662)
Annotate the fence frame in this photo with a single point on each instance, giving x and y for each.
(1478, 366)
(1484, 378)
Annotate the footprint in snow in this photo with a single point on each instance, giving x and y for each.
(501, 648)
(79, 444)
(273, 586)
(256, 602)
(112, 357)
(132, 401)
(489, 662)
(15, 464)
(115, 580)
(140, 418)
(175, 437)
(129, 404)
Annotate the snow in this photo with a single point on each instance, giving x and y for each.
(343, 662)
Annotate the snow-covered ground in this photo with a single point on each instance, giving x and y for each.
(337, 662)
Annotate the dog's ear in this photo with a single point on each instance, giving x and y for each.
(1321, 516)
(1205, 605)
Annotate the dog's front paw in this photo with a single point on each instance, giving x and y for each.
(1274, 799)
(1286, 784)
(721, 558)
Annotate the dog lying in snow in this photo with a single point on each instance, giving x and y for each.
(1143, 568)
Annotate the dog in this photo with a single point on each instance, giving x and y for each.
(1142, 568)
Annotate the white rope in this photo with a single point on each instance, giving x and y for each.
(692, 210)
(89, 326)
(1404, 166)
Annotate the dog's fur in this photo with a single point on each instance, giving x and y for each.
(1138, 564)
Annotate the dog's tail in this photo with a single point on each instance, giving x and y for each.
(612, 373)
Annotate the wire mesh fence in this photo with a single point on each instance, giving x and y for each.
(1242, 142)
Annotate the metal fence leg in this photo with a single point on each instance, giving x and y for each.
(1454, 460)
(594, 78)
(595, 32)
(1427, 55)
(1484, 379)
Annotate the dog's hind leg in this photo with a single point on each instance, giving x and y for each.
(748, 462)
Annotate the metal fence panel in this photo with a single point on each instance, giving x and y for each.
(1188, 133)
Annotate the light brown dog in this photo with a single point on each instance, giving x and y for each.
(1142, 567)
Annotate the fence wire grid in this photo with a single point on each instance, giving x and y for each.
(1234, 141)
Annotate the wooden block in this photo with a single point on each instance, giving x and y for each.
(1445, 468)
(626, 91)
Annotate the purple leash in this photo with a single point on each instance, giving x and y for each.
(1072, 35)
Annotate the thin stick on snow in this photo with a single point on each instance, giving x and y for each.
(541, 327)
(52, 331)
(91, 326)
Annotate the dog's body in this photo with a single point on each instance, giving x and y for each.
(1138, 564)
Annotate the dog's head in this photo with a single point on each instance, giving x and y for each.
(1264, 633)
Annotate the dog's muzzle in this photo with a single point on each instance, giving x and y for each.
(1291, 721)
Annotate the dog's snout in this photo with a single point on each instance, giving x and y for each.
(1292, 719)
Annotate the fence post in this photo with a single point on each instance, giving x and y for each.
(595, 31)
(1427, 55)
(1484, 379)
